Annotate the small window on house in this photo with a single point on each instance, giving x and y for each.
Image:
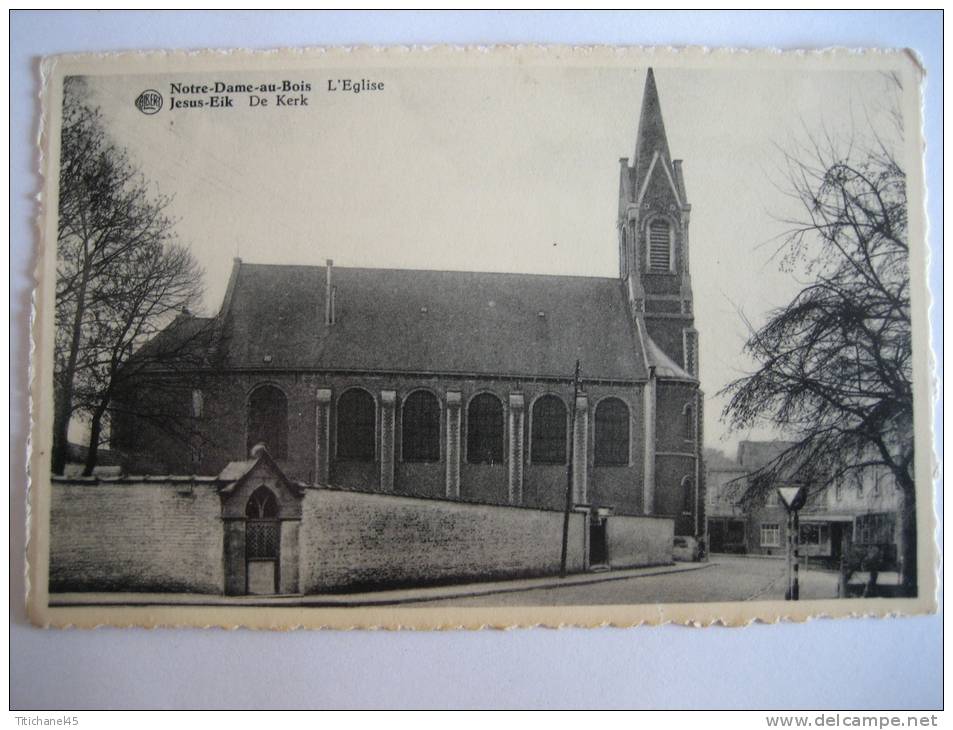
(548, 445)
(688, 494)
(660, 245)
(770, 534)
(485, 430)
(612, 433)
(811, 533)
(268, 421)
(875, 528)
(356, 424)
(420, 427)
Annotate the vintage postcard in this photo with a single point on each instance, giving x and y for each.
(466, 337)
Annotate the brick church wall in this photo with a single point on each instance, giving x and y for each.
(223, 422)
(352, 539)
(619, 487)
(676, 456)
(135, 536)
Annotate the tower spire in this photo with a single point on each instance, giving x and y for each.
(651, 136)
(654, 217)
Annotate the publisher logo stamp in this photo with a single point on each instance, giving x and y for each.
(149, 101)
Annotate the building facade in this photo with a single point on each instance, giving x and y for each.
(856, 512)
(726, 519)
(454, 385)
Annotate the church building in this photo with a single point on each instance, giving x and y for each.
(451, 385)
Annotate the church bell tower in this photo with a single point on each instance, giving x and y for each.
(653, 227)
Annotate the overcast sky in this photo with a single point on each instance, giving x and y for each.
(493, 170)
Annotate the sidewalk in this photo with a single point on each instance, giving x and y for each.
(374, 598)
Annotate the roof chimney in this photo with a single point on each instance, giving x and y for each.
(328, 295)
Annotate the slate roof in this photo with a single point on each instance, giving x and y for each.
(651, 136)
(429, 321)
(665, 367)
(185, 341)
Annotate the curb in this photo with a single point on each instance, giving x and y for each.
(470, 590)
(557, 583)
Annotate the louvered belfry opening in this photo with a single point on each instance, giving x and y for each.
(660, 245)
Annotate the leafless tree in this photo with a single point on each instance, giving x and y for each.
(121, 275)
(835, 369)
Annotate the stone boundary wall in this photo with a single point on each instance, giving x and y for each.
(355, 540)
(640, 541)
(165, 534)
(144, 535)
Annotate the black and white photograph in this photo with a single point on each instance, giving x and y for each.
(459, 337)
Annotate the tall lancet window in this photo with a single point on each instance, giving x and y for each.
(612, 433)
(356, 425)
(660, 245)
(268, 421)
(485, 430)
(420, 427)
(548, 432)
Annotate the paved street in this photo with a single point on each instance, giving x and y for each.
(726, 578)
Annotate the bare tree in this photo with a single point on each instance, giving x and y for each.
(835, 369)
(121, 275)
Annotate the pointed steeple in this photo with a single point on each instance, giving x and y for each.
(651, 136)
(653, 223)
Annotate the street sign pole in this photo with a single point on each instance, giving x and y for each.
(796, 537)
(788, 553)
(793, 499)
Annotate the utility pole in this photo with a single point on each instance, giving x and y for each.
(569, 471)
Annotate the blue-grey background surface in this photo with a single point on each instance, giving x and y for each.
(846, 664)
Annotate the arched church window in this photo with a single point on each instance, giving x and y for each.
(485, 430)
(660, 245)
(548, 437)
(688, 422)
(688, 494)
(420, 427)
(268, 421)
(356, 425)
(612, 433)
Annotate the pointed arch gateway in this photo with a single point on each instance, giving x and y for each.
(261, 512)
(262, 542)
